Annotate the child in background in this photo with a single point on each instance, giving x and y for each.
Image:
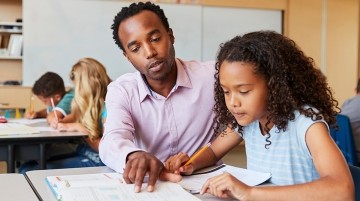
(88, 114)
(269, 94)
(51, 86)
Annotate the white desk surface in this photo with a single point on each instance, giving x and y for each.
(37, 178)
(39, 123)
(14, 187)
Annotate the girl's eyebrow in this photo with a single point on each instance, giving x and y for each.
(238, 85)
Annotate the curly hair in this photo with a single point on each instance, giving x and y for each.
(90, 82)
(291, 77)
(48, 85)
(132, 10)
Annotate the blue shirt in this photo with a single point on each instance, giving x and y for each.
(64, 106)
(288, 159)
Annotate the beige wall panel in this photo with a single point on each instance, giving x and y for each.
(305, 19)
(10, 10)
(10, 70)
(18, 97)
(264, 4)
(342, 42)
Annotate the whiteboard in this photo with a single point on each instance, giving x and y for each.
(57, 33)
(220, 24)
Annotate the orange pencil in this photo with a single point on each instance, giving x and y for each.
(197, 154)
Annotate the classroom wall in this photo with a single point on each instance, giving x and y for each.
(327, 30)
(73, 36)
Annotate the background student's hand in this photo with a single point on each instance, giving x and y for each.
(68, 126)
(175, 164)
(138, 165)
(30, 115)
(225, 186)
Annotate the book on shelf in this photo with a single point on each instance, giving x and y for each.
(110, 186)
(15, 45)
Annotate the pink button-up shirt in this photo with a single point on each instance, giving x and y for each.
(140, 119)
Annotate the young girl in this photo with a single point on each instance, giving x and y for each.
(88, 114)
(269, 94)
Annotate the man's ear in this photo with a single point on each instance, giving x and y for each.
(172, 37)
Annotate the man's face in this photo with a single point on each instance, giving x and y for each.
(148, 45)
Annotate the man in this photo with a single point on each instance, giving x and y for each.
(164, 108)
(351, 108)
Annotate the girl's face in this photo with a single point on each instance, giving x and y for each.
(245, 92)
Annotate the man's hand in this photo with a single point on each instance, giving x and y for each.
(138, 165)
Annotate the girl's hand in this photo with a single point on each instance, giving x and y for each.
(225, 186)
(30, 115)
(67, 126)
(175, 164)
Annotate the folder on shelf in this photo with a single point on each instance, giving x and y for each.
(15, 45)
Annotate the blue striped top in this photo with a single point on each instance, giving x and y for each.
(288, 158)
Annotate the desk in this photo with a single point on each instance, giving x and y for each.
(14, 187)
(37, 181)
(31, 146)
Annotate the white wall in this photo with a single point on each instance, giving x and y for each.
(59, 32)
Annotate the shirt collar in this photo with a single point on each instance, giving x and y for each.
(182, 80)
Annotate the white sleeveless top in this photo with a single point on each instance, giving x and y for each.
(287, 158)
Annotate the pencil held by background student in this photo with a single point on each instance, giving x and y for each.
(50, 88)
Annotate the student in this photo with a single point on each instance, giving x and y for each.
(270, 95)
(163, 108)
(351, 108)
(50, 87)
(88, 114)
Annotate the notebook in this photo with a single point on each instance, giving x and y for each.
(110, 186)
(193, 183)
(14, 128)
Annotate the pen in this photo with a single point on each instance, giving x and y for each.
(53, 109)
(197, 153)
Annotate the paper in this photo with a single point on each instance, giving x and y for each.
(194, 183)
(28, 121)
(14, 128)
(110, 187)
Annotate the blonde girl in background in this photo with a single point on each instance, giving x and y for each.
(88, 113)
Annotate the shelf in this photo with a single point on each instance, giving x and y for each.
(11, 40)
(10, 27)
(10, 31)
(11, 57)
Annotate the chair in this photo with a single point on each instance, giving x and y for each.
(355, 173)
(344, 138)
